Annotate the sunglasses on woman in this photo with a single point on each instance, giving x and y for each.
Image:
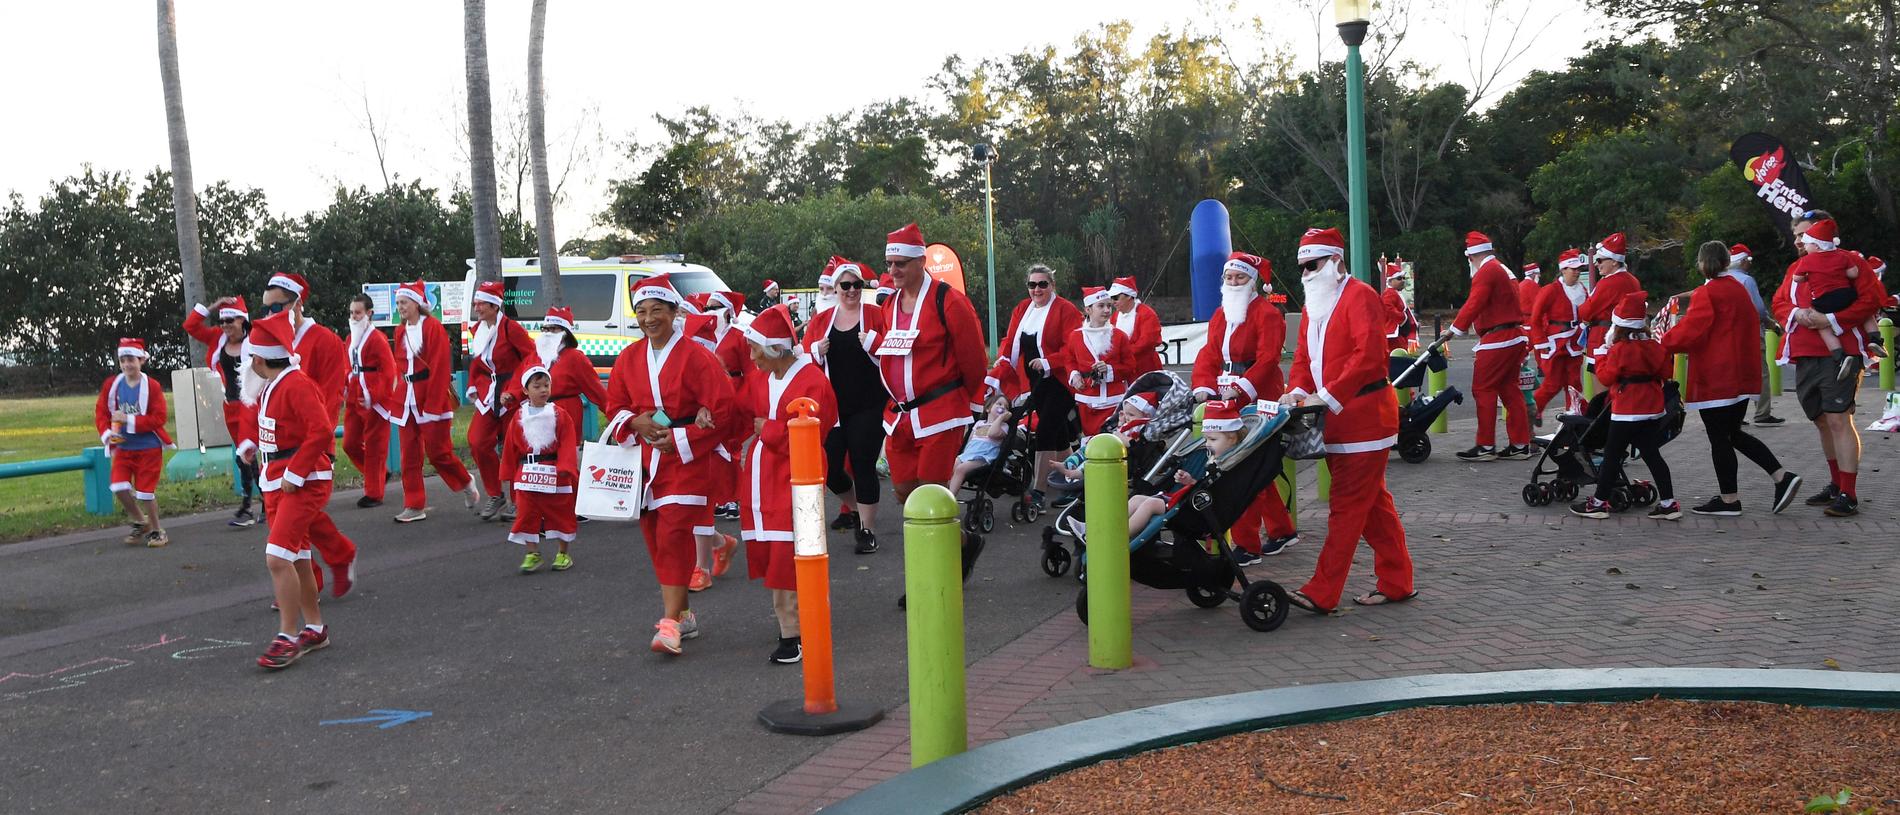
(1039, 284)
(850, 285)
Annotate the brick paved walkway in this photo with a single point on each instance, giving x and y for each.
(1503, 586)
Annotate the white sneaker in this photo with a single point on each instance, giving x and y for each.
(471, 495)
(666, 636)
(689, 626)
(409, 516)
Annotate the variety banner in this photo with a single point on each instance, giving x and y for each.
(944, 266)
(1777, 179)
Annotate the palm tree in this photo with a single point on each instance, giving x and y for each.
(538, 153)
(481, 140)
(184, 201)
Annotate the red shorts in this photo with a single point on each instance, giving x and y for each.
(136, 472)
(294, 516)
(772, 560)
(931, 459)
(543, 515)
(668, 532)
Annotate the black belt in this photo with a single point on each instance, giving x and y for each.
(1375, 387)
(278, 453)
(362, 370)
(1236, 367)
(537, 459)
(417, 376)
(505, 376)
(1498, 327)
(1561, 323)
(1599, 323)
(929, 396)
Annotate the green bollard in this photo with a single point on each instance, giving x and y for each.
(1682, 372)
(933, 590)
(1589, 385)
(1771, 354)
(1435, 381)
(1325, 483)
(1105, 489)
(1886, 362)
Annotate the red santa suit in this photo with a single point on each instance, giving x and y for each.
(932, 358)
(1491, 312)
(668, 382)
(1801, 341)
(1097, 399)
(724, 466)
(296, 445)
(1596, 309)
(1341, 363)
(134, 471)
(1400, 323)
(1141, 324)
(765, 499)
(574, 375)
(422, 403)
(1246, 354)
(236, 413)
(1557, 336)
(1527, 291)
(539, 462)
(366, 405)
(1718, 333)
(495, 357)
(1034, 333)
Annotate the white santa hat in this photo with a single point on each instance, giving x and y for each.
(1631, 312)
(559, 316)
(1222, 415)
(532, 370)
(416, 292)
(490, 292)
(1140, 404)
(1571, 259)
(658, 287)
(1613, 247)
(1249, 265)
(1476, 243)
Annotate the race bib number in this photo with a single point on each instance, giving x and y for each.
(538, 477)
(898, 343)
(267, 434)
(1227, 381)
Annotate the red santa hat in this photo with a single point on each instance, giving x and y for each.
(1124, 287)
(846, 266)
(703, 328)
(1613, 247)
(489, 291)
(658, 287)
(770, 286)
(1476, 243)
(416, 292)
(1571, 259)
(886, 285)
(731, 301)
(1140, 403)
(1094, 294)
(1222, 415)
(1632, 311)
(825, 276)
(1823, 235)
(1879, 266)
(773, 328)
(1738, 253)
(1251, 265)
(293, 283)
(905, 243)
(1531, 271)
(272, 337)
(1394, 271)
(234, 310)
(532, 371)
(132, 347)
(1322, 243)
(561, 316)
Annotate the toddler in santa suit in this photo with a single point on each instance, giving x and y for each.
(1632, 371)
(539, 464)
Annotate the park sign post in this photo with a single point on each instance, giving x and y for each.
(1777, 179)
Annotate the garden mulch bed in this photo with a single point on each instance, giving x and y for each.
(1646, 757)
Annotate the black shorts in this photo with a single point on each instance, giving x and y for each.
(1818, 386)
(1055, 408)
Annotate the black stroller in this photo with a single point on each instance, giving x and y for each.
(1416, 416)
(1009, 474)
(1574, 455)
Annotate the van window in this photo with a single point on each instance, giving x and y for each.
(590, 295)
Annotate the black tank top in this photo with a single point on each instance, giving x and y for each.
(854, 376)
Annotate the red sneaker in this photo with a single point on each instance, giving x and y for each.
(282, 651)
(309, 640)
(722, 555)
(342, 580)
(700, 580)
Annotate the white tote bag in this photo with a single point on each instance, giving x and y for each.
(611, 479)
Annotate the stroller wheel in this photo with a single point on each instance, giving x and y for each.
(1055, 561)
(1205, 597)
(1565, 491)
(987, 522)
(1415, 448)
(1016, 513)
(1082, 605)
(1263, 606)
(1646, 493)
(1533, 493)
(1620, 499)
(1030, 513)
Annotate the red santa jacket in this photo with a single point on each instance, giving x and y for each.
(1143, 328)
(1527, 291)
(559, 451)
(1491, 311)
(1341, 361)
(212, 337)
(1799, 340)
(1632, 372)
(673, 383)
(735, 355)
(422, 389)
(373, 373)
(324, 358)
(295, 433)
(1078, 359)
(571, 376)
(820, 327)
(495, 361)
(150, 418)
(1596, 308)
(1400, 325)
(1250, 351)
(765, 465)
(1720, 333)
(1554, 330)
(940, 379)
(1061, 321)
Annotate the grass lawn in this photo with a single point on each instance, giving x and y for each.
(54, 427)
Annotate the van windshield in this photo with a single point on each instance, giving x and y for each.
(590, 295)
(694, 282)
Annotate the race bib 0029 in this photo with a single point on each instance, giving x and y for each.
(537, 478)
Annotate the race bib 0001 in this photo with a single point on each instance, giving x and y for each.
(898, 343)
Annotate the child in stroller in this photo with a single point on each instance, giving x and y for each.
(1156, 416)
(996, 461)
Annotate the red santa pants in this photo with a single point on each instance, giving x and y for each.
(1560, 371)
(668, 532)
(929, 460)
(136, 472)
(300, 521)
(1269, 508)
(366, 442)
(484, 445)
(543, 515)
(434, 436)
(1494, 380)
(1360, 507)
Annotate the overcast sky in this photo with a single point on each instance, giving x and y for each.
(275, 93)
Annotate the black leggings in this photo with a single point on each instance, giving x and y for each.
(858, 438)
(1647, 437)
(1726, 436)
(247, 479)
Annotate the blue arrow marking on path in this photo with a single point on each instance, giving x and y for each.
(385, 719)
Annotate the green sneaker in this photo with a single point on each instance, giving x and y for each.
(531, 563)
(562, 562)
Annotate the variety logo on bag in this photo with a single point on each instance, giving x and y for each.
(615, 478)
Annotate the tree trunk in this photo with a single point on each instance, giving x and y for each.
(184, 199)
(538, 149)
(481, 141)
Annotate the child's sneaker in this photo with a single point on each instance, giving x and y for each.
(310, 639)
(282, 651)
(562, 562)
(1592, 508)
(1666, 511)
(666, 636)
(689, 626)
(136, 537)
(1274, 546)
(722, 555)
(700, 580)
(1243, 557)
(789, 652)
(531, 563)
(156, 539)
(1479, 453)
(243, 518)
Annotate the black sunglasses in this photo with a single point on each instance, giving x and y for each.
(1311, 265)
(232, 321)
(1039, 284)
(850, 285)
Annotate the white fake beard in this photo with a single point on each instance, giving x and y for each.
(1576, 292)
(1322, 290)
(538, 427)
(484, 341)
(1234, 301)
(548, 346)
(826, 301)
(250, 385)
(357, 329)
(709, 345)
(1097, 338)
(1473, 266)
(412, 337)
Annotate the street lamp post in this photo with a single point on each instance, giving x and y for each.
(986, 154)
(1353, 17)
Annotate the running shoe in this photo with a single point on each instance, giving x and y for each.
(492, 509)
(1479, 453)
(844, 522)
(136, 537)
(689, 626)
(508, 511)
(722, 555)
(1844, 506)
(156, 539)
(242, 518)
(531, 563)
(471, 495)
(867, 542)
(1591, 508)
(1717, 506)
(789, 652)
(1242, 557)
(409, 516)
(562, 562)
(1785, 491)
(1667, 511)
(700, 580)
(1770, 421)
(367, 502)
(666, 636)
(727, 511)
(1825, 496)
(311, 640)
(1515, 453)
(1275, 546)
(343, 580)
(282, 651)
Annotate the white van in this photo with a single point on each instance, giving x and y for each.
(599, 292)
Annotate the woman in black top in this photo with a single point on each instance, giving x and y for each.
(836, 339)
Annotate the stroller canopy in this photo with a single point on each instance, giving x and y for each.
(1174, 402)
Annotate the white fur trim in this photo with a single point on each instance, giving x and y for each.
(660, 293)
(1243, 267)
(1326, 396)
(1362, 446)
(1624, 322)
(1092, 299)
(281, 553)
(1605, 254)
(485, 297)
(1222, 425)
(766, 341)
(1477, 250)
(560, 321)
(285, 283)
(1578, 262)
(132, 351)
(1817, 243)
(903, 250)
(413, 297)
(1119, 289)
(1319, 250)
(267, 351)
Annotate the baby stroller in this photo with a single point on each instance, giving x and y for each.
(1173, 551)
(1575, 452)
(1153, 457)
(1009, 474)
(1416, 416)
